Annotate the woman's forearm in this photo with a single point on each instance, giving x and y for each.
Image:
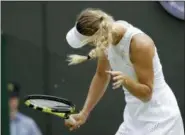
(141, 91)
(96, 91)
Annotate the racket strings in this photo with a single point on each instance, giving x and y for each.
(48, 103)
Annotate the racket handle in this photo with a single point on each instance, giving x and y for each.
(71, 120)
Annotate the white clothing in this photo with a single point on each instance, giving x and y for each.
(159, 116)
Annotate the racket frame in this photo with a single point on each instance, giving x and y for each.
(58, 112)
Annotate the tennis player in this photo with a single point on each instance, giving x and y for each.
(130, 57)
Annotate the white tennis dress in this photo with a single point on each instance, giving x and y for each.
(159, 116)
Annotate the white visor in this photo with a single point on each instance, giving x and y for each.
(75, 39)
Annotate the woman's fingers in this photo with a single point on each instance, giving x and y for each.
(117, 84)
(74, 121)
(76, 126)
(116, 78)
(114, 73)
(70, 123)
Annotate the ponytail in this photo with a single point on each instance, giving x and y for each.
(75, 59)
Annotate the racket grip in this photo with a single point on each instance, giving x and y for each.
(71, 120)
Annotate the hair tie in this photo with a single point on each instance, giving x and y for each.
(88, 57)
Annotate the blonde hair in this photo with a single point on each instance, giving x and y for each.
(98, 26)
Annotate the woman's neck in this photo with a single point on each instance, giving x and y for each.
(117, 33)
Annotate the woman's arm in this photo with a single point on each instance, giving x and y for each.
(97, 89)
(141, 55)
(98, 85)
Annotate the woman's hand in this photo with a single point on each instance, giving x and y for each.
(76, 120)
(117, 77)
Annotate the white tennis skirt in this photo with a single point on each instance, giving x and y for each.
(172, 126)
(160, 116)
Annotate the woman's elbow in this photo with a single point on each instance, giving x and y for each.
(147, 96)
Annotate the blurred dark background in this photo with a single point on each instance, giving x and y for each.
(37, 48)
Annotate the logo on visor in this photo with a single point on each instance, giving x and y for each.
(175, 8)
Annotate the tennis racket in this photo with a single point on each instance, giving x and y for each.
(51, 105)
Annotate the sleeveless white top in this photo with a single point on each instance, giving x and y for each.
(162, 97)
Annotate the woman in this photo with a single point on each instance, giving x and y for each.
(151, 107)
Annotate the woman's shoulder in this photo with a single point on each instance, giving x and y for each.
(142, 43)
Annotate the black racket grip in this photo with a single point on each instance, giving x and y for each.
(68, 114)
